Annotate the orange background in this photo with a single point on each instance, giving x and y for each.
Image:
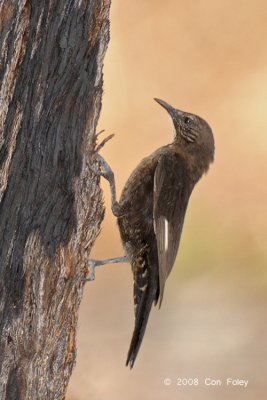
(208, 57)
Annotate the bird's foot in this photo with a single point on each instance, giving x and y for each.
(92, 264)
(104, 169)
(106, 172)
(91, 270)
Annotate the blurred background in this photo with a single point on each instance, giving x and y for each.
(208, 57)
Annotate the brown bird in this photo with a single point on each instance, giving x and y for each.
(152, 208)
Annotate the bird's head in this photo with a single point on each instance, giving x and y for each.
(192, 134)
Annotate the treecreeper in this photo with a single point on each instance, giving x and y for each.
(152, 208)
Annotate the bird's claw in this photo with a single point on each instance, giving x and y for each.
(104, 168)
(91, 270)
(106, 172)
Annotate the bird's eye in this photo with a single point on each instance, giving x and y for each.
(187, 120)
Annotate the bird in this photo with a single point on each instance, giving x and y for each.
(152, 208)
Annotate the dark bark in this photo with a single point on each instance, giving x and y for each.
(50, 203)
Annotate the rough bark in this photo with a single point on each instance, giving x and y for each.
(50, 203)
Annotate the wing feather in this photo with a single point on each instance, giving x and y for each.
(172, 189)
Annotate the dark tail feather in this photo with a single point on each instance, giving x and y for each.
(140, 324)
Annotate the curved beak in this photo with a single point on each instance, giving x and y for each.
(172, 111)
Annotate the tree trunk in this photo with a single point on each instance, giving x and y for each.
(50, 203)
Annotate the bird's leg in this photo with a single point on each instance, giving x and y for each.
(108, 174)
(96, 263)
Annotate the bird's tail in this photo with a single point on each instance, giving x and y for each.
(141, 318)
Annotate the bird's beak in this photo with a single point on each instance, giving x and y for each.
(172, 111)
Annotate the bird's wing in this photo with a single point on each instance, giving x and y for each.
(172, 190)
